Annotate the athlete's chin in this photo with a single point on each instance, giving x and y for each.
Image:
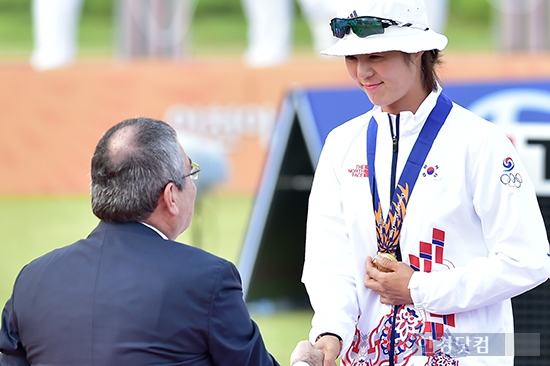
(375, 97)
(380, 102)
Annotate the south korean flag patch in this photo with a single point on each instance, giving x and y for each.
(431, 171)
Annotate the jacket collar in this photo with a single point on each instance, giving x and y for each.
(134, 227)
(410, 124)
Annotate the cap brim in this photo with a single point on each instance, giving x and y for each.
(408, 40)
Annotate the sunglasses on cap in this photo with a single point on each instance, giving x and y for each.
(364, 26)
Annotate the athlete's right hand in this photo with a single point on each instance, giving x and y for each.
(331, 347)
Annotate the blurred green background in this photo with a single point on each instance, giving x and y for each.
(219, 27)
(31, 226)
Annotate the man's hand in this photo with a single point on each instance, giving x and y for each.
(305, 352)
(391, 286)
(323, 353)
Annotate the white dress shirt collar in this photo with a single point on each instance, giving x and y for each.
(155, 229)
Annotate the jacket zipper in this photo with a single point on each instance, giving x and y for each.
(395, 143)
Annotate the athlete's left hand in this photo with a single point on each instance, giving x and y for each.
(391, 286)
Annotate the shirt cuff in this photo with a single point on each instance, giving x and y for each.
(414, 285)
(301, 363)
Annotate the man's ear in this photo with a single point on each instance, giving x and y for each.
(168, 199)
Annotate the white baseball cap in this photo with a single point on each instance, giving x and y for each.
(407, 30)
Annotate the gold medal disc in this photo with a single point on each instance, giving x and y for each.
(379, 267)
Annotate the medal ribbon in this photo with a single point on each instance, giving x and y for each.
(388, 231)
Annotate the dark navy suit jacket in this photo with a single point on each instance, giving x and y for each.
(125, 296)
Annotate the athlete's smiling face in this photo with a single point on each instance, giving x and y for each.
(392, 80)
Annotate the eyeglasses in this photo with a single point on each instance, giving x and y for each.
(364, 26)
(194, 173)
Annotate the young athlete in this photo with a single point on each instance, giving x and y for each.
(415, 263)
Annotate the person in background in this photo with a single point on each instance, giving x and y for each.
(415, 261)
(55, 30)
(270, 29)
(128, 294)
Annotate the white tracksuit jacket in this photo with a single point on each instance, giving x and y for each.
(473, 229)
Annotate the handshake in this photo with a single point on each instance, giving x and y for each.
(305, 355)
(328, 347)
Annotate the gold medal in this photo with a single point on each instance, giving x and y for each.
(389, 256)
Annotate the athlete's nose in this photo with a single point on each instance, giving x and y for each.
(364, 68)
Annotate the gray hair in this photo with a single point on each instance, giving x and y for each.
(132, 163)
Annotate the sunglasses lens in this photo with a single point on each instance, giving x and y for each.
(339, 27)
(364, 27)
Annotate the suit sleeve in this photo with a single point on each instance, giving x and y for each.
(12, 352)
(234, 338)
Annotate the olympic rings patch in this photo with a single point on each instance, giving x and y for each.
(511, 180)
(508, 178)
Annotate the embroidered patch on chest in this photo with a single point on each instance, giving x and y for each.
(430, 171)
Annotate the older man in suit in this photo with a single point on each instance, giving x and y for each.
(128, 294)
